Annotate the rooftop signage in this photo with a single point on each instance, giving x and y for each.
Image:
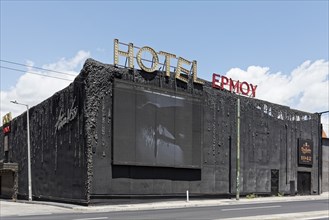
(181, 73)
(223, 82)
(6, 123)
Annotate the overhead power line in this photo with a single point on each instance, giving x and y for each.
(35, 67)
(39, 74)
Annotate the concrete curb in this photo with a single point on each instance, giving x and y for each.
(168, 204)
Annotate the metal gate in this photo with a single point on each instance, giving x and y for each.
(274, 182)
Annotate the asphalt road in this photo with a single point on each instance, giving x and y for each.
(200, 213)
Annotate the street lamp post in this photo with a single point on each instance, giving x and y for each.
(28, 149)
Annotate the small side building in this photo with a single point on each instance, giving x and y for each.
(325, 163)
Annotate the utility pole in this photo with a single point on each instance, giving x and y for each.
(238, 151)
(28, 149)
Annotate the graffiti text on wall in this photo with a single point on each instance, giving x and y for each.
(66, 117)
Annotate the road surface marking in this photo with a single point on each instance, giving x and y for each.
(91, 218)
(319, 217)
(260, 207)
(31, 214)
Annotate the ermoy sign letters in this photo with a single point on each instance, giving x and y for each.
(155, 62)
(244, 88)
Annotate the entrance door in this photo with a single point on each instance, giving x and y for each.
(304, 183)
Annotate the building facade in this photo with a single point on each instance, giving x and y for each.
(325, 164)
(119, 132)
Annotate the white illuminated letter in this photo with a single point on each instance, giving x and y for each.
(155, 59)
(129, 54)
(194, 72)
(180, 69)
(167, 60)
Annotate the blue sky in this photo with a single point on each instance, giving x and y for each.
(277, 36)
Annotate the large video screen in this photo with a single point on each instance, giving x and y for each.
(156, 127)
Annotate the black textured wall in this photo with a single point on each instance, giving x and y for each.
(58, 149)
(269, 138)
(72, 143)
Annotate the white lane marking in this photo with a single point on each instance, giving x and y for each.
(36, 214)
(91, 218)
(319, 217)
(259, 207)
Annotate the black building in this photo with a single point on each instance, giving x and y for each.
(119, 132)
(325, 163)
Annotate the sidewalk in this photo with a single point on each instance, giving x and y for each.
(196, 203)
(23, 207)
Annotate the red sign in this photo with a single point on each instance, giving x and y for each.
(244, 88)
(6, 129)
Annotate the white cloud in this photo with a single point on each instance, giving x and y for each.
(306, 88)
(32, 89)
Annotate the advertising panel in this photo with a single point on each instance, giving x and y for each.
(154, 127)
(305, 152)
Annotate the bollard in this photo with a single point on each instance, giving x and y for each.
(187, 196)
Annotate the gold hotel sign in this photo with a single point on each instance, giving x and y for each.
(155, 63)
